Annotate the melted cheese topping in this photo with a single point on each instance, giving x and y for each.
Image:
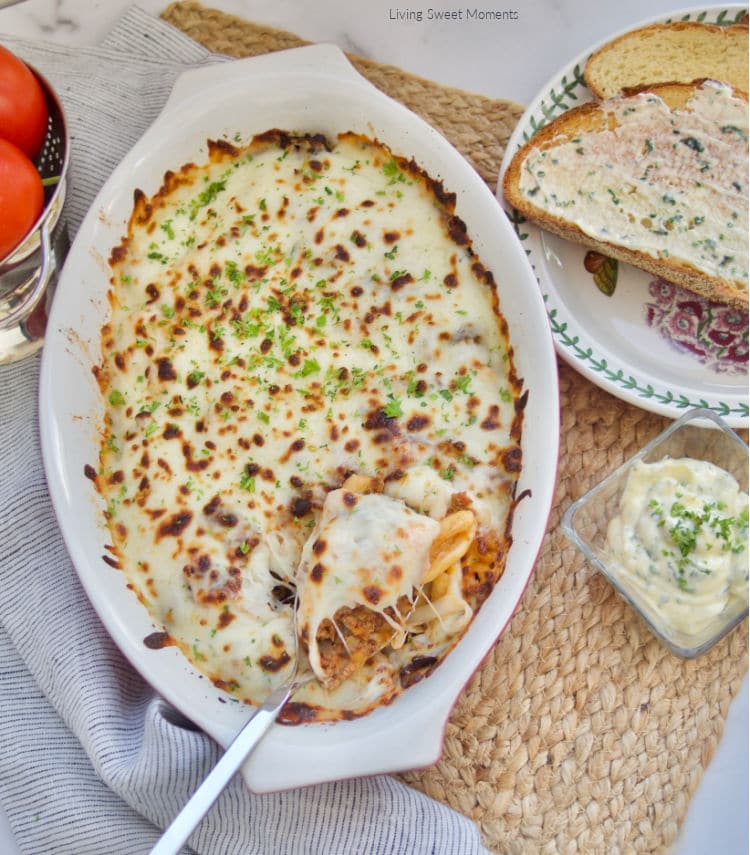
(671, 184)
(287, 314)
(367, 550)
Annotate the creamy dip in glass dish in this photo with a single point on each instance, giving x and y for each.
(668, 529)
(679, 542)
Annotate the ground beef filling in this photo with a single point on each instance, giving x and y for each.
(361, 634)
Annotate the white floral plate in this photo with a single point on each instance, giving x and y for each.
(648, 342)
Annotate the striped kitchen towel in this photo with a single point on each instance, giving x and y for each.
(91, 759)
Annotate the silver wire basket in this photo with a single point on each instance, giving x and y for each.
(28, 275)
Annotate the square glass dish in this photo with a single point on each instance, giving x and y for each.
(656, 583)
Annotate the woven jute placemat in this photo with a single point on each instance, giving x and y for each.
(580, 732)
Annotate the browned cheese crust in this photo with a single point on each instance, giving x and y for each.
(290, 314)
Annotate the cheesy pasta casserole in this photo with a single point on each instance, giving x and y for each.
(310, 394)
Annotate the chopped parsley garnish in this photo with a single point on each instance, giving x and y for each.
(685, 526)
(393, 408)
(205, 197)
(692, 142)
(166, 227)
(309, 366)
(247, 482)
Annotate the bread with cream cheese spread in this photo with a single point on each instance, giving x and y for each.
(676, 52)
(656, 178)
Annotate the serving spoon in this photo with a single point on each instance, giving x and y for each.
(198, 805)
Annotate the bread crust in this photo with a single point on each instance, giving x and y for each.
(680, 52)
(592, 117)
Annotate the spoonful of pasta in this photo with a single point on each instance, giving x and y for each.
(399, 566)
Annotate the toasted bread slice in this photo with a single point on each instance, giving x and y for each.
(658, 179)
(678, 52)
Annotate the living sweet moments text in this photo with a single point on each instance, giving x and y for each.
(466, 13)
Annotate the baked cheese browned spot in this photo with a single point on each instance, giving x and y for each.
(289, 313)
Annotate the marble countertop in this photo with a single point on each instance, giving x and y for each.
(507, 58)
(509, 55)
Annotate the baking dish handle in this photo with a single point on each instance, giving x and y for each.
(319, 59)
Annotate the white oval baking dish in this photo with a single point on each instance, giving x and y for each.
(310, 89)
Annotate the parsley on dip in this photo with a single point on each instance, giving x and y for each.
(679, 542)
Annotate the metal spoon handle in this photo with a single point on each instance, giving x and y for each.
(200, 802)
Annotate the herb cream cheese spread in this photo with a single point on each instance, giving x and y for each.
(670, 184)
(679, 542)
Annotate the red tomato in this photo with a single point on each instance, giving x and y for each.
(21, 197)
(23, 106)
